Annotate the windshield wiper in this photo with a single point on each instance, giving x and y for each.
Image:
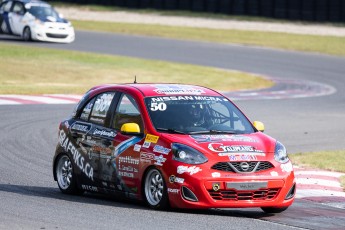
(170, 130)
(212, 131)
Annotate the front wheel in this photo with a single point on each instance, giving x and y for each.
(65, 175)
(27, 34)
(155, 190)
(274, 210)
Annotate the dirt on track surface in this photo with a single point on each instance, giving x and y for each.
(73, 13)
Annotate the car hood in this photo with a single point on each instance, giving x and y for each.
(255, 145)
(50, 19)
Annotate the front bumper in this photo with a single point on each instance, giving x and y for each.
(194, 192)
(62, 34)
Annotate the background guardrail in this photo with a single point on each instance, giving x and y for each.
(303, 10)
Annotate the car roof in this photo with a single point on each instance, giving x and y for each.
(160, 89)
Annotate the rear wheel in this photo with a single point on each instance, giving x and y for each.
(27, 34)
(65, 175)
(155, 190)
(274, 210)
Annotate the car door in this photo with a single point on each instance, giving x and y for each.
(93, 138)
(16, 18)
(124, 173)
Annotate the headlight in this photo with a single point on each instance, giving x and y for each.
(280, 154)
(186, 154)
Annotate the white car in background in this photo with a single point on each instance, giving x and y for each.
(34, 20)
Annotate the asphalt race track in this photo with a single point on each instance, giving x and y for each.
(30, 199)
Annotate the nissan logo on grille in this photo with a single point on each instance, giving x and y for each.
(244, 166)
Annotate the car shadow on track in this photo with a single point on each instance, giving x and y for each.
(7, 38)
(90, 198)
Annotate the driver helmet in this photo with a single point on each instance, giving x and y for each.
(196, 113)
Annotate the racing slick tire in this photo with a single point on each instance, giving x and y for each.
(273, 210)
(155, 190)
(26, 34)
(65, 176)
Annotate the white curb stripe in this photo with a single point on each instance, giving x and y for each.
(320, 182)
(301, 193)
(8, 102)
(71, 96)
(38, 99)
(319, 173)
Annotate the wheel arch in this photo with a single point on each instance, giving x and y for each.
(165, 180)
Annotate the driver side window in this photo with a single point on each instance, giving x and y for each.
(18, 8)
(127, 112)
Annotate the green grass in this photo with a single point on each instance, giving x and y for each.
(327, 160)
(28, 70)
(310, 43)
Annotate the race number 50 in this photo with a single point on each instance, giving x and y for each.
(158, 106)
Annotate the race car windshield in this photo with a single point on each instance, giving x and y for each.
(193, 114)
(43, 12)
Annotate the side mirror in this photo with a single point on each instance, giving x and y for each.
(259, 126)
(130, 128)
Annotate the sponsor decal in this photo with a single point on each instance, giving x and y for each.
(100, 149)
(159, 160)
(174, 179)
(220, 148)
(89, 188)
(81, 127)
(158, 106)
(128, 169)
(173, 190)
(104, 133)
(243, 157)
(160, 100)
(78, 159)
(161, 149)
(126, 174)
(287, 167)
(222, 137)
(123, 146)
(274, 173)
(146, 144)
(102, 104)
(177, 89)
(120, 148)
(216, 186)
(179, 180)
(128, 160)
(146, 157)
(188, 169)
(215, 174)
(151, 138)
(137, 148)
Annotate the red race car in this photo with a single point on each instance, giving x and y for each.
(171, 145)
